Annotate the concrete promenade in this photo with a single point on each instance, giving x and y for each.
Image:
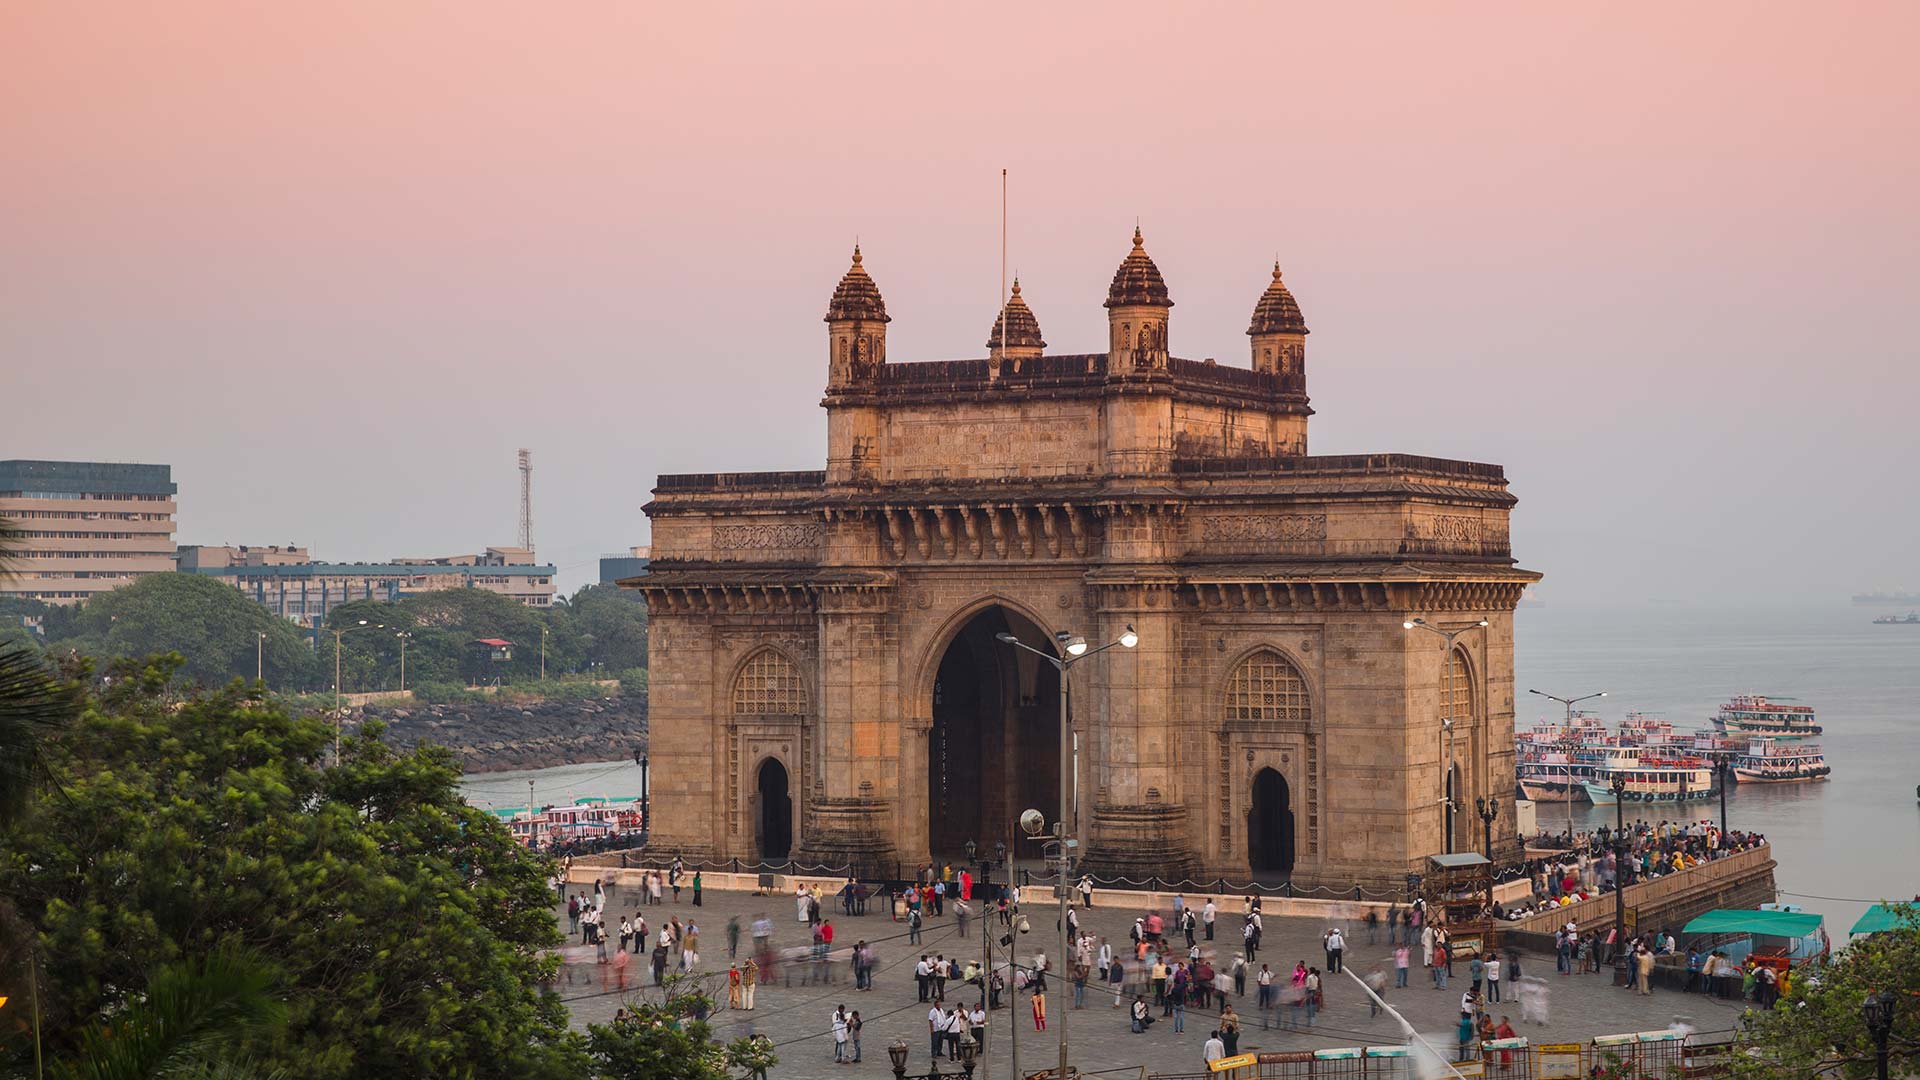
(796, 1013)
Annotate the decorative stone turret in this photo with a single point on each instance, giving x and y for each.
(1022, 338)
(856, 329)
(1137, 308)
(1279, 333)
(857, 337)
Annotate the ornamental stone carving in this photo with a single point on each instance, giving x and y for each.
(759, 537)
(1239, 528)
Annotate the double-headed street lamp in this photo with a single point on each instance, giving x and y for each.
(1446, 722)
(404, 638)
(1073, 649)
(1619, 786)
(1568, 742)
(1488, 809)
(338, 633)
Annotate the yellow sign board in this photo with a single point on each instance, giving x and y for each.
(1557, 1061)
(1227, 1064)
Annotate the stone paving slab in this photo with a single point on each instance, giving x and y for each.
(796, 1013)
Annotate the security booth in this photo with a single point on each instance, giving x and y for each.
(485, 657)
(1459, 888)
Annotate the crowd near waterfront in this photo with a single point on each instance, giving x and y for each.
(828, 972)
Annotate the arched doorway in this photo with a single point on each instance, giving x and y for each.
(1270, 825)
(994, 749)
(773, 820)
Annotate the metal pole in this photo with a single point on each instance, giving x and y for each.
(1013, 961)
(260, 656)
(986, 961)
(1060, 881)
(1619, 869)
(1570, 746)
(336, 695)
(1726, 775)
(543, 654)
(1446, 722)
(403, 663)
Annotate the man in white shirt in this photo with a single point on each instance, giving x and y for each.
(1214, 1049)
(840, 1034)
(1207, 914)
(937, 1029)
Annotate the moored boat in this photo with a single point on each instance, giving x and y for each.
(1769, 761)
(1756, 714)
(1653, 779)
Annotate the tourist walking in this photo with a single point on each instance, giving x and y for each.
(1401, 957)
(1493, 978)
(1336, 946)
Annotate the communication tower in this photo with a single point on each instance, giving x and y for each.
(526, 499)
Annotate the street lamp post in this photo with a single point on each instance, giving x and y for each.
(1488, 809)
(259, 656)
(1619, 786)
(543, 654)
(1877, 1010)
(338, 633)
(1569, 743)
(1446, 722)
(1723, 766)
(1073, 649)
(404, 638)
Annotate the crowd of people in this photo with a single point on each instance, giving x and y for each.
(1589, 865)
(1189, 957)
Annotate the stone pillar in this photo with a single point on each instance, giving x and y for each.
(1133, 781)
(853, 796)
(684, 729)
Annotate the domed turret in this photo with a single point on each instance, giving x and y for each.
(856, 328)
(1137, 307)
(1279, 333)
(1022, 339)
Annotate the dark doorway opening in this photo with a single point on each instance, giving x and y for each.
(774, 823)
(994, 750)
(1453, 804)
(1270, 825)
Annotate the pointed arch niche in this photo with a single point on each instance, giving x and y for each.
(1269, 764)
(770, 707)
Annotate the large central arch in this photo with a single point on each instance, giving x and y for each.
(994, 748)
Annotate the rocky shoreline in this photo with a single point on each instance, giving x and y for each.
(498, 737)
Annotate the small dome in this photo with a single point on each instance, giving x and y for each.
(1137, 281)
(1026, 328)
(1277, 313)
(857, 297)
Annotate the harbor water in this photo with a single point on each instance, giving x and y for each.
(1841, 844)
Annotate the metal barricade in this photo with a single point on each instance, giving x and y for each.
(1340, 1063)
(1292, 1065)
(1506, 1059)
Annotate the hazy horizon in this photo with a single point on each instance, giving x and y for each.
(335, 265)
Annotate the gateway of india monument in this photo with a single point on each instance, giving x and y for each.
(827, 685)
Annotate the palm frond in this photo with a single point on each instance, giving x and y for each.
(192, 1014)
(35, 705)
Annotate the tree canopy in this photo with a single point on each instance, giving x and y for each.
(213, 625)
(408, 926)
(1819, 1029)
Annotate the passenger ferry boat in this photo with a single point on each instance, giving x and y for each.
(1753, 714)
(584, 819)
(1768, 761)
(1654, 779)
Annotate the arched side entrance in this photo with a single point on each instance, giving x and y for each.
(773, 812)
(1270, 825)
(994, 749)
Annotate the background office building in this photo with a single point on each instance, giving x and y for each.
(630, 563)
(290, 584)
(87, 526)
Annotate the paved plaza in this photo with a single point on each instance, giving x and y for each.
(796, 1012)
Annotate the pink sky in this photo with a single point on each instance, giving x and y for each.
(334, 262)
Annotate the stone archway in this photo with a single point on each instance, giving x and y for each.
(773, 812)
(1270, 826)
(994, 746)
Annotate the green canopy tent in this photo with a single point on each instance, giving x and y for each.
(1880, 918)
(1787, 924)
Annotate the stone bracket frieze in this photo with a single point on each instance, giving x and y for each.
(778, 536)
(1241, 528)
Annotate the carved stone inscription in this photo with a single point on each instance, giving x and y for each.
(1239, 528)
(1458, 529)
(756, 537)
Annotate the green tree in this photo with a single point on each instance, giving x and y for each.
(1818, 1028)
(666, 1040)
(211, 623)
(192, 1021)
(605, 628)
(409, 925)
